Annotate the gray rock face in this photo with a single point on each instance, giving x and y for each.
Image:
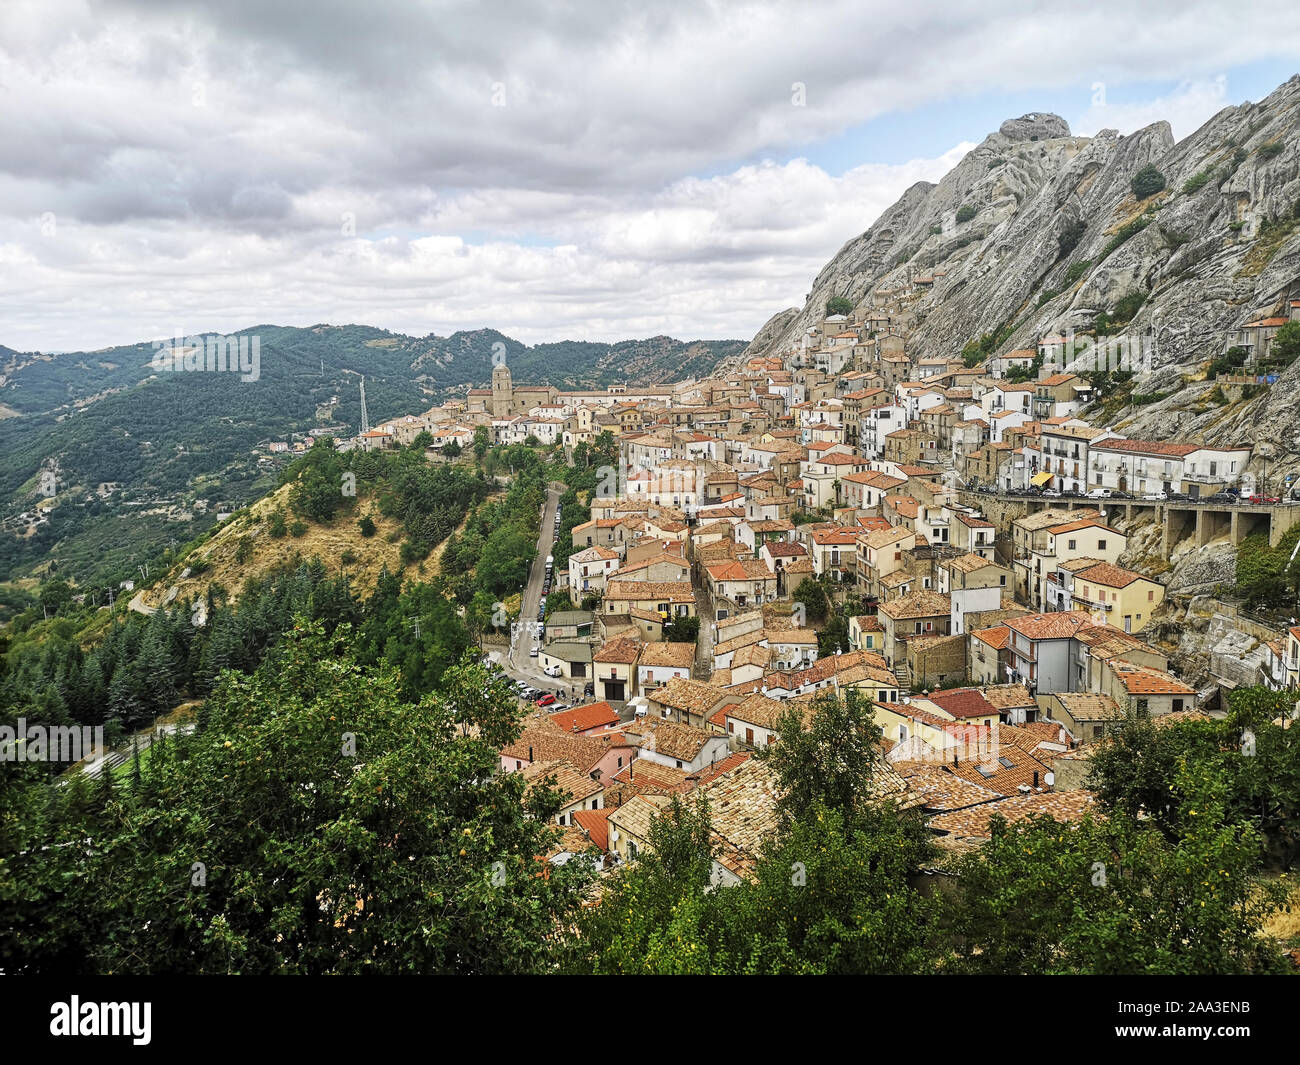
(1035, 127)
(1219, 246)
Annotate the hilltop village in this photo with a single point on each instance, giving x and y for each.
(950, 537)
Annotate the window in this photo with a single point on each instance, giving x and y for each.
(1002, 580)
(1072, 545)
(1178, 705)
(1151, 595)
(1101, 545)
(1144, 704)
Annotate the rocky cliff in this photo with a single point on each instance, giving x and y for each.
(1036, 232)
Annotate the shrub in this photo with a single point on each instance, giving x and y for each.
(1197, 181)
(1071, 235)
(1130, 229)
(1077, 270)
(367, 526)
(1147, 182)
(839, 305)
(966, 212)
(936, 229)
(298, 529)
(1227, 362)
(277, 526)
(1128, 306)
(1270, 151)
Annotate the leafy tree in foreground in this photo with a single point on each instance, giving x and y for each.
(827, 758)
(411, 855)
(1113, 896)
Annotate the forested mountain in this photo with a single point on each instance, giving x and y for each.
(167, 440)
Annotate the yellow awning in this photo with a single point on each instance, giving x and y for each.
(1040, 478)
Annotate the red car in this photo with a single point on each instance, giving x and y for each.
(1264, 499)
(546, 699)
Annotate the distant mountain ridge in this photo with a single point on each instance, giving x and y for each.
(107, 416)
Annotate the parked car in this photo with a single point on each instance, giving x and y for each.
(1157, 496)
(1052, 492)
(553, 671)
(1100, 493)
(546, 699)
(1257, 499)
(532, 653)
(1218, 497)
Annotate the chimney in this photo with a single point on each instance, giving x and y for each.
(1035, 779)
(530, 753)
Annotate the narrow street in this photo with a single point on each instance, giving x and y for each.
(704, 644)
(519, 664)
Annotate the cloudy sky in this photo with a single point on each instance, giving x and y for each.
(579, 170)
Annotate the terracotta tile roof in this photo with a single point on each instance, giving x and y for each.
(570, 781)
(969, 563)
(693, 696)
(963, 703)
(1059, 625)
(646, 777)
(637, 591)
(1065, 806)
(621, 650)
(1089, 706)
(835, 536)
(596, 824)
(1004, 770)
(674, 655)
(670, 738)
(1139, 680)
(721, 768)
(940, 791)
(782, 549)
(1007, 696)
(1082, 523)
(545, 741)
(743, 813)
(996, 637)
(636, 815)
(1110, 575)
(757, 710)
(1045, 519)
(582, 718)
(922, 603)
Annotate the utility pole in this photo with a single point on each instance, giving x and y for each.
(414, 623)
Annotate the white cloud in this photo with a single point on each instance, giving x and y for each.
(200, 159)
(1185, 109)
